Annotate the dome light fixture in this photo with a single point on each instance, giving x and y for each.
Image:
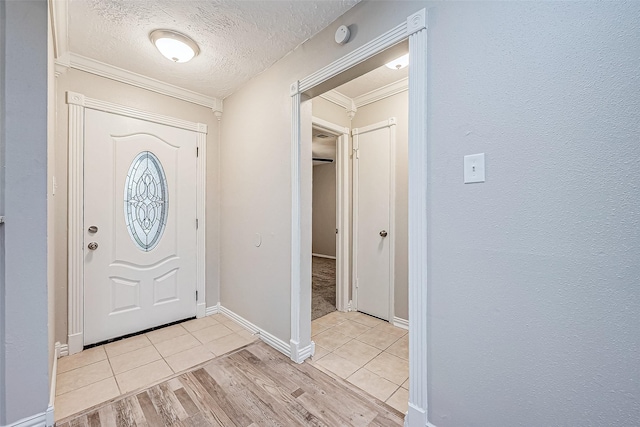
(174, 46)
(399, 63)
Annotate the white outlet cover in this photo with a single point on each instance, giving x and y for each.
(474, 168)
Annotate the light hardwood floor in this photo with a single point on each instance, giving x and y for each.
(253, 386)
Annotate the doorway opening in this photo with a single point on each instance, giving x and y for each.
(388, 46)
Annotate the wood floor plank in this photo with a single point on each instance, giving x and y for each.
(273, 393)
(93, 419)
(231, 408)
(186, 402)
(207, 405)
(163, 406)
(124, 417)
(322, 392)
(250, 390)
(254, 386)
(149, 411)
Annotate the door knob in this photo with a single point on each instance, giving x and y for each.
(93, 246)
(383, 233)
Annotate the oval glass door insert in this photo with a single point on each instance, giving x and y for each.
(146, 201)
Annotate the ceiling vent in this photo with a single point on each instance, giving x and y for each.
(322, 136)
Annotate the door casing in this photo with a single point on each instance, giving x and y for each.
(342, 209)
(414, 30)
(76, 246)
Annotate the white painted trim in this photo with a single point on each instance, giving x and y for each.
(39, 420)
(299, 355)
(101, 69)
(269, 339)
(52, 389)
(343, 218)
(401, 323)
(60, 27)
(382, 93)
(201, 215)
(323, 256)
(418, 212)
(78, 99)
(77, 105)
(338, 98)
(356, 132)
(415, 29)
(210, 311)
(352, 105)
(64, 350)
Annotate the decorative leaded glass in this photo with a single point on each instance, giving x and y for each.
(146, 201)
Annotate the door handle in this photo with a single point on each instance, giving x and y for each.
(93, 246)
(383, 233)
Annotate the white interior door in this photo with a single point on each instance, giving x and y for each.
(139, 225)
(374, 162)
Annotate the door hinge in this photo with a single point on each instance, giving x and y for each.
(197, 223)
(196, 295)
(356, 152)
(197, 151)
(336, 231)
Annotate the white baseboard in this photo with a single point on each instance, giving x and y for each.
(64, 350)
(201, 310)
(265, 336)
(50, 416)
(212, 310)
(416, 417)
(299, 354)
(401, 323)
(39, 420)
(324, 256)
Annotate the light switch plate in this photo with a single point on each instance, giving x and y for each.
(474, 168)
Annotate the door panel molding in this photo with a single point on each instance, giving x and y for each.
(78, 103)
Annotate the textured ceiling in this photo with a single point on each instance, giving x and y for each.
(371, 81)
(237, 39)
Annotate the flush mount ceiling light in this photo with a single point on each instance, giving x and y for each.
(174, 46)
(399, 63)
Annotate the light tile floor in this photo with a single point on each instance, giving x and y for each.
(105, 372)
(370, 353)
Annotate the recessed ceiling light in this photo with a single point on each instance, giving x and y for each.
(399, 63)
(174, 46)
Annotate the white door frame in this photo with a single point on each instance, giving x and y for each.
(342, 208)
(391, 124)
(77, 105)
(415, 30)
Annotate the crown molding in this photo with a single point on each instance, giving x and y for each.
(101, 69)
(59, 13)
(338, 99)
(382, 93)
(352, 105)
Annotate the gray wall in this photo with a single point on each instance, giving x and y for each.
(533, 275)
(534, 298)
(324, 210)
(109, 90)
(24, 389)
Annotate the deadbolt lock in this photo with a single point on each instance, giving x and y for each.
(93, 229)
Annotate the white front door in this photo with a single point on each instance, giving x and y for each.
(374, 161)
(139, 225)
